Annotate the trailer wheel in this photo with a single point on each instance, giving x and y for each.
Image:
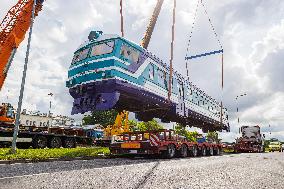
(170, 152)
(211, 151)
(218, 151)
(194, 151)
(203, 151)
(39, 142)
(69, 142)
(55, 142)
(183, 151)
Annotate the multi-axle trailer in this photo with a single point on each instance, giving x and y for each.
(162, 142)
(52, 137)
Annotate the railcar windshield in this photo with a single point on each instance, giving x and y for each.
(97, 49)
(129, 53)
(81, 55)
(102, 48)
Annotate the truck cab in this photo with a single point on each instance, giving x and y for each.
(7, 114)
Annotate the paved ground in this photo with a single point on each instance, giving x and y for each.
(226, 171)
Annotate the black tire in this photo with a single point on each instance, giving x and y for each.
(39, 142)
(217, 151)
(170, 152)
(211, 151)
(194, 151)
(69, 142)
(183, 152)
(55, 142)
(203, 151)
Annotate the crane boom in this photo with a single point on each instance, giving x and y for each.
(12, 32)
(152, 23)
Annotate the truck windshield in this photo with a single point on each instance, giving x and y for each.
(10, 112)
(274, 143)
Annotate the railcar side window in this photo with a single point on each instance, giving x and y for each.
(102, 48)
(129, 53)
(81, 55)
(165, 79)
(151, 71)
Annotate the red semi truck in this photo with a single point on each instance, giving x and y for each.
(250, 141)
(161, 142)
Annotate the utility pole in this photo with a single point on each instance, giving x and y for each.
(269, 132)
(16, 129)
(172, 52)
(237, 97)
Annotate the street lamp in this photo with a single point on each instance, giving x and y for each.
(49, 111)
(237, 97)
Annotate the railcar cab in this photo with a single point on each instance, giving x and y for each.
(102, 51)
(101, 46)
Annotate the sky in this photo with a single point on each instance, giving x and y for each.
(251, 33)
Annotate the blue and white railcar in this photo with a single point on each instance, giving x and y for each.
(111, 72)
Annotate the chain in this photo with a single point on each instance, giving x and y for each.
(214, 31)
(190, 36)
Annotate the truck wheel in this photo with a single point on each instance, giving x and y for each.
(211, 151)
(69, 142)
(170, 152)
(183, 151)
(203, 151)
(217, 151)
(39, 142)
(55, 142)
(194, 151)
(262, 149)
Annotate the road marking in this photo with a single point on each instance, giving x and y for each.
(143, 182)
(21, 176)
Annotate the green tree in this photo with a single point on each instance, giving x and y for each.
(132, 125)
(103, 118)
(149, 125)
(189, 135)
(214, 136)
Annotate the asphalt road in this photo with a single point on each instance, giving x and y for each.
(227, 171)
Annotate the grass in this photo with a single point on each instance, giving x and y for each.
(43, 154)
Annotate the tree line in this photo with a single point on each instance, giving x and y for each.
(106, 118)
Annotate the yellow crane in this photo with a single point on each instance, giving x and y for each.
(120, 125)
